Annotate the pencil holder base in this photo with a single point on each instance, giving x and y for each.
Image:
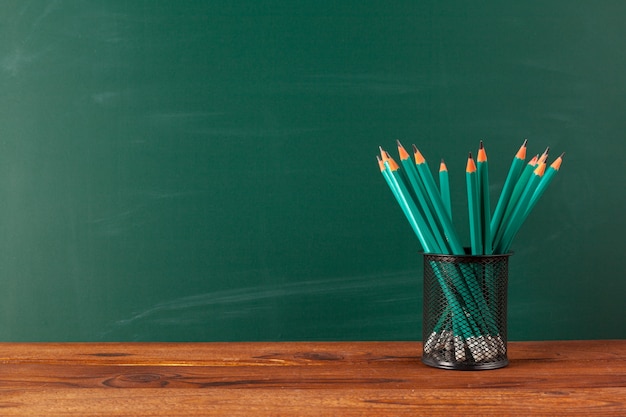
(457, 354)
(465, 367)
(465, 306)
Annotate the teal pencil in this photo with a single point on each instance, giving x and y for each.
(473, 206)
(517, 217)
(412, 214)
(391, 183)
(444, 187)
(547, 178)
(431, 188)
(421, 196)
(545, 181)
(519, 188)
(511, 179)
(484, 199)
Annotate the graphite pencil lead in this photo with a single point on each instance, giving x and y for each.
(385, 155)
(382, 153)
(557, 162)
(419, 158)
(482, 154)
(471, 165)
(393, 165)
(403, 153)
(381, 164)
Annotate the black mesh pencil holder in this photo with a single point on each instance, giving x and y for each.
(465, 306)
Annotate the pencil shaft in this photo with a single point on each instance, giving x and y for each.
(484, 202)
(429, 183)
(505, 196)
(518, 216)
(517, 192)
(413, 215)
(473, 209)
(444, 188)
(420, 194)
(532, 201)
(515, 170)
(541, 188)
(409, 216)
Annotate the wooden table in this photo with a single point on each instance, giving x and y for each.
(305, 379)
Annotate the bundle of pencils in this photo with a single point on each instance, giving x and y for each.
(428, 209)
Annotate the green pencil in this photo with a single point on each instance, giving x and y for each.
(547, 178)
(408, 207)
(444, 187)
(401, 202)
(484, 199)
(421, 196)
(519, 188)
(545, 181)
(511, 179)
(429, 183)
(517, 217)
(473, 206)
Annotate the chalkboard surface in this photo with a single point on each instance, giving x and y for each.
(205, 170)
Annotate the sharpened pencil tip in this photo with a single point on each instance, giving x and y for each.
(403, 153)
(471, 165)
(482, 154)
(384, 154)
(521, 153)
(419, 158)
(557, 162)
(381, 164)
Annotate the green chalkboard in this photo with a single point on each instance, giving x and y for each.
(205, 170)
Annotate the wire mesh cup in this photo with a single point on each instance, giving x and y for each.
(465, 309)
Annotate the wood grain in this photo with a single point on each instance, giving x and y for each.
(305, 379)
